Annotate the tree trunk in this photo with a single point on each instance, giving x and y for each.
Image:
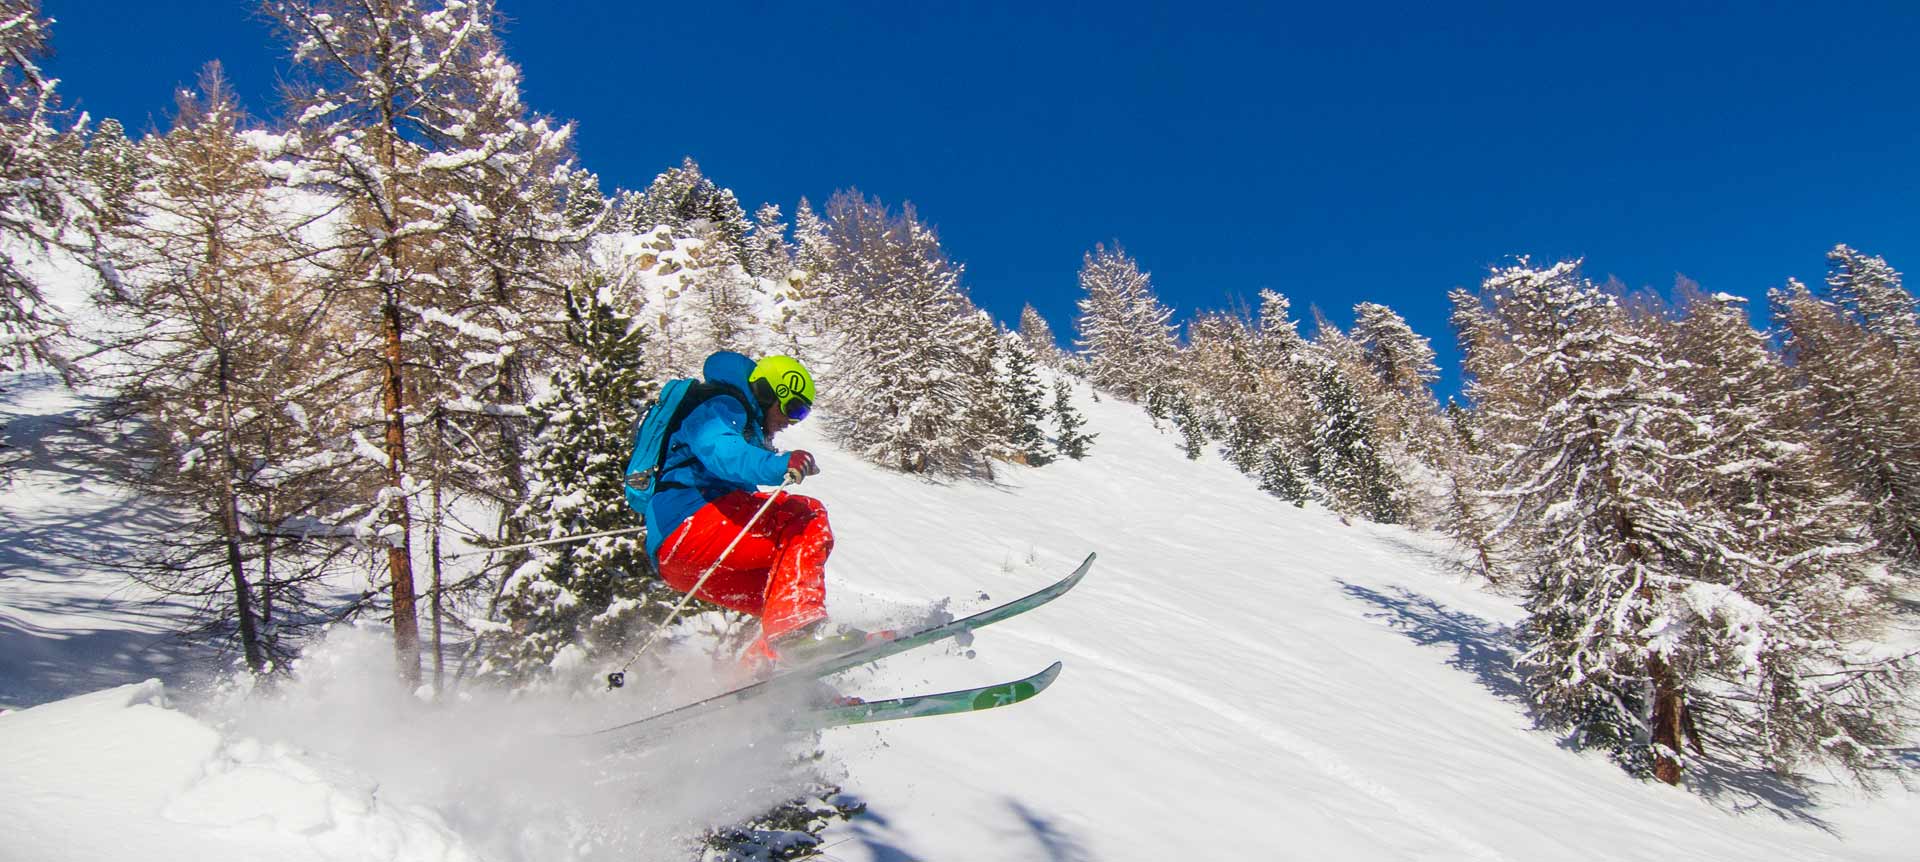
(1669, 715)
(439, 479)
(230, 522)
(406, 624)
(243, 605)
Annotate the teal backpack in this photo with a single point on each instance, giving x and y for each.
(657, 426)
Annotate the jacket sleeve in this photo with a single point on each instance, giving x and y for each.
(716, 440)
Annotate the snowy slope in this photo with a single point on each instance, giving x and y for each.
(1244, 679)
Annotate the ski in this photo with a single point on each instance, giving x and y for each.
(864, 655)
(922, 705)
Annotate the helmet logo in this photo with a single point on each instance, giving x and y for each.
(789, 385)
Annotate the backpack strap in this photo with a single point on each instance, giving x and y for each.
(700, 393)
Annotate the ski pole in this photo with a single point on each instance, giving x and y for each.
(619, 678)
(562, 540)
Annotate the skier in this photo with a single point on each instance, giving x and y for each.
(709, 489)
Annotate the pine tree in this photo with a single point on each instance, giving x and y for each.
(1863, 408)
(1070, 441)
(1039, 336)
(230, 366)
(1583, 485)
(768, 253)
(1801, 556)
(723, 295)
(1187, 421)
(585, 594)
(1282, 475)
(1401, 358)
(1665, 612)
(113, 165)
(683, 198)
(1345, 461)
(1218, 383)
(1279, 332)
(1123, 327)
(1870, 291)
(907, 364)
(411, 118)
(813, 296)
(981, 344)
(585, 210)
(1025, 401)
(37, 196)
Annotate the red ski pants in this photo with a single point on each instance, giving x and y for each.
(778, 572)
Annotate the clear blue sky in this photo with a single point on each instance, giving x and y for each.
(1373, 154)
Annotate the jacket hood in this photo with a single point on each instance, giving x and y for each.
(732, 369)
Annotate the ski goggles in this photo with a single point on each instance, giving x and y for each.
(794, 406)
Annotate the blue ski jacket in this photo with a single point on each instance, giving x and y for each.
(719, 448)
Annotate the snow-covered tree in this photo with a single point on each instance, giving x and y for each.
(1279, 332)
(1123, 327)
(1800, 554)
(769, 255)
(1864, 409)
(906, 374)
(1025, 401)
(1344, 460)
(1664, 616)
(586, 208)
(684, 198)
(1283, 475)
(813, 297)
(37, 198)
(409, 118)
(1039, 336)
(723, 295)
(582, 594)
(1870, 291)
(1071, 441)
(113, 165)
(229, 362)
(1222, 385)
(1401, 358)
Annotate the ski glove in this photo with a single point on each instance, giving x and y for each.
(800, 465)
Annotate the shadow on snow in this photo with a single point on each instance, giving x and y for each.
(1489, 653)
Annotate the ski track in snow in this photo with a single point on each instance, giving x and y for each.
(1318, 756)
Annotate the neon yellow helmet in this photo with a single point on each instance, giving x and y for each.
(784, 381)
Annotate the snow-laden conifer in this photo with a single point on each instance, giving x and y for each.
(1071, 441)
(228, 359)
(1400, 357)
(905, 384)
(1813, 688)
(113, 166)
(1863, 407)
(581, 595)
(1123, 327)
(683, 198)
(1223, 382)
(1870, 291)
(1665, 614)
(409, 117)
(769, 255)
(1345, 462)
(1039, 337)
(37, 195)
(1025, 400)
